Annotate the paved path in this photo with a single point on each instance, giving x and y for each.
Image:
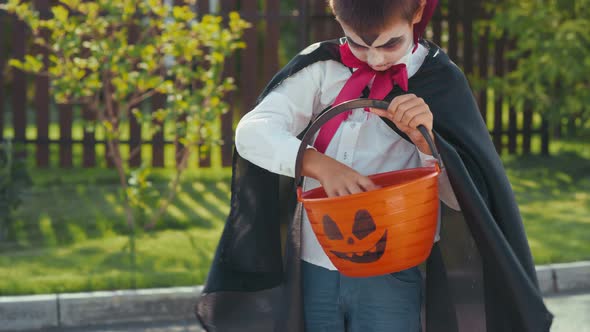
(572, 312)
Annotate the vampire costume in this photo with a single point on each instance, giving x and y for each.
(479, 277)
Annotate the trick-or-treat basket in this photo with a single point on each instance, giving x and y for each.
(376, 232)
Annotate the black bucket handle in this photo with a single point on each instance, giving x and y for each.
(341, 108)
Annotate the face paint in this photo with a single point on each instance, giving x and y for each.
(392, 46)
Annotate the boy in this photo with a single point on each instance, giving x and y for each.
(383, 57)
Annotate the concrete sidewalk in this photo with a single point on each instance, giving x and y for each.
(570, 310)
(69, 312)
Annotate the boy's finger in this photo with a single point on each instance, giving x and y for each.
(353, 188)
(382, 113)
(399, 100)
(411, 106)
(424, 119)
(414, 111)
(367, 184)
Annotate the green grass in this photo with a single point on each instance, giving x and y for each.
(554, 198)
(73, 236)
(166, 258)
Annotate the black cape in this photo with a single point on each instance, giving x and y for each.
(479, 277)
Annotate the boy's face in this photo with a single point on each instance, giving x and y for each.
(382, 50)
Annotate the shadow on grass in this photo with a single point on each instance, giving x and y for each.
(67, 214)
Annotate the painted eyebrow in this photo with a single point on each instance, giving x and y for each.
(390, 42)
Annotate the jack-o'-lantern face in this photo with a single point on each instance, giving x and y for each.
(361, 251)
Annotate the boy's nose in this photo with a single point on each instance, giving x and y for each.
(375, 59)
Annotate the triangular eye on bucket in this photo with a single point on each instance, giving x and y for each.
(331, 229)
(363, 224)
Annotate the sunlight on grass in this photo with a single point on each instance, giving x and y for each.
(167, 258)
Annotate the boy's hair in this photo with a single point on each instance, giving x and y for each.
(368, 18)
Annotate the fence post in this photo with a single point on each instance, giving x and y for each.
(527, 121)
(545, 137)
(65, 135)
(19, 92)
(498, 100)
(512, 130)
(3, 24)
(89, 141)
(158, 101)
(227, 131)
(453, 22)
(483, 59)
(304, 23)
(204, 155)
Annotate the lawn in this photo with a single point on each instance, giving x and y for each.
(72, 236)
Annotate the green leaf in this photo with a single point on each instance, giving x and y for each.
(60, 13)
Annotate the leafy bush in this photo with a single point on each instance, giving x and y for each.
(112, 55)
(553, 55)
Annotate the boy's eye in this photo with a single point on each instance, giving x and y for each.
(392, 45)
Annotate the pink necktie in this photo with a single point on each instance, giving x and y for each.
(362, 76)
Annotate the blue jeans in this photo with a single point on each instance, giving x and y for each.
(333, 302)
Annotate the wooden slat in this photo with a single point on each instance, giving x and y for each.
(437, 27)
(545, 137)
(512, 120)
(19, 84)
(454, 8)
(89, 142)
(135, 140)
(158, 101)
(499, 72)
(469, 7)
(271, 47)
(202, 8)
(319, 26)
(527, 122)
(304, 23)
(483, 59)
(42, 100)
(204, 154)
(227, 133)
(3, 58)
(109, 153)
(249, 61)
(65, 135)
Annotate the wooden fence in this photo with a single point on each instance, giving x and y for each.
(279, 31)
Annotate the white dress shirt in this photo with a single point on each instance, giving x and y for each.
(266, 136)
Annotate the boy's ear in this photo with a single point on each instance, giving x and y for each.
(419, 12)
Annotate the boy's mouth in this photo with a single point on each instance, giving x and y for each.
(382, 67)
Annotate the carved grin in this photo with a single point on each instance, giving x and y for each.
(369, 256)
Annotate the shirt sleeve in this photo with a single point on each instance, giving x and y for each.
(266, 136)
(445, 190)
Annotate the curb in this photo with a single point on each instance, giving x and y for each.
(19, 313)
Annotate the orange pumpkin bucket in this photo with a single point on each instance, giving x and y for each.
(381, 231)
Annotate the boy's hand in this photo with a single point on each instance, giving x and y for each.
(336, 178)
(407, 112)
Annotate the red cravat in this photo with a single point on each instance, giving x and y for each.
(362, 76)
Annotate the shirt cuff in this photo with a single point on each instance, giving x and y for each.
(286, 157)
(426, 159)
